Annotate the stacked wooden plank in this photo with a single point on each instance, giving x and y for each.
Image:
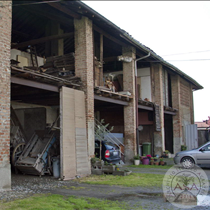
(62, 66)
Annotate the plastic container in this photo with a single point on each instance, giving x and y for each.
(145, 161)
(146, 148)
(56, 167)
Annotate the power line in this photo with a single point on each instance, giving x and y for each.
(175, 60)
(188, 53)
(192, 60)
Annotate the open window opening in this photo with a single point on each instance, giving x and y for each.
(35, 133)
(108, 70)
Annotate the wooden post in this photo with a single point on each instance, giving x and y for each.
(101, 60)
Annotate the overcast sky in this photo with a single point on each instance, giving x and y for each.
(170, 27)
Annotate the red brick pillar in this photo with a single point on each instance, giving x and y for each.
(84, 69)
(5, 42)
(177, 119)
(130, 110)
(159, 136)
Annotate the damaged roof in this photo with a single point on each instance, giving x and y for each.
(96, 17)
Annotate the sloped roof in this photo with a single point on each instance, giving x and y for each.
(202, 125)
(125, 35)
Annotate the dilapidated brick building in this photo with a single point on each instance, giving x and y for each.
(65, 59)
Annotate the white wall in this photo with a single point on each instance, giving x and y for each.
(145, 80)
(15, 53)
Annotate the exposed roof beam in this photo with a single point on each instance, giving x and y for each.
(110, 59)
(65, 10)
(50, 15)
(99, 30)
(41, 40)
(20, 33)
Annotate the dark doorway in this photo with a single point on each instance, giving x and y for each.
(168, 122)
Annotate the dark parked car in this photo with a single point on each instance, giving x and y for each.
(199, 156)
(109, 152)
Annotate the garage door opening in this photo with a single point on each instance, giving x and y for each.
(35, 132)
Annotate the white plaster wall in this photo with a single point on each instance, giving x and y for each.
(15, 53)
(144, 74)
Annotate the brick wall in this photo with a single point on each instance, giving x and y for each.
(186, 107)
(158, 98)
(5, 41)
(177, 119)
(84, 69)
(185, 94)
(114, 116)
(130, 110)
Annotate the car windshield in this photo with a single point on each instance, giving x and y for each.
(109, 145)
(203, 145)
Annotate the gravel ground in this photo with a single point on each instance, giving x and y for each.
(25, 185)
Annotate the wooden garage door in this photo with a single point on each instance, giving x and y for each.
(74, 154)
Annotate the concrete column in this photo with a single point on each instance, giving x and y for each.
(158, 98)
(177, 119)
(5, 42)
(84, 70)
(130, 110)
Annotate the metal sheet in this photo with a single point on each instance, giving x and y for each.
(191, 136)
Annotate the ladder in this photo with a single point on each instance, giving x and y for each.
(33, 54)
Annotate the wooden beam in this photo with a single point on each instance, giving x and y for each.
(49, 15)
(34, 84)
(110, 59)
(47, 76)
(169, 112)
(145, 107)
(101, 59)
(111, 100)
(41, 40)
(65, 10)
(20, 33)
(99, 30)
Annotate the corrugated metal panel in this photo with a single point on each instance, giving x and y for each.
(191, 136)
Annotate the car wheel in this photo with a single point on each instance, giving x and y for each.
(187, 162)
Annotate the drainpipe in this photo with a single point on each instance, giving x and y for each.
(137, 97)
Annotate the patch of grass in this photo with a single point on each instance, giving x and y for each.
(133, 180)
(59, 202)
(151, 166)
